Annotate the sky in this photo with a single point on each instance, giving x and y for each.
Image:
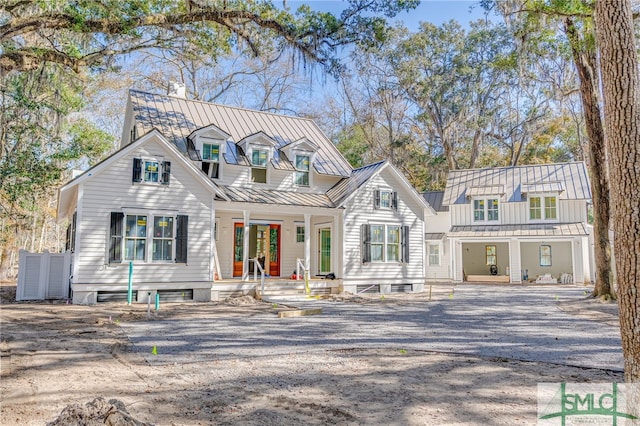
(435, 11)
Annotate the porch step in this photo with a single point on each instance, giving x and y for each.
(317, 288)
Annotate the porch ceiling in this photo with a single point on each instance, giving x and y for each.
(529, 230)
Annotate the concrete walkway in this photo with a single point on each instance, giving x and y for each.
(522, 323)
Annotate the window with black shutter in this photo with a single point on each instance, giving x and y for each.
(115, 240)
(366, 243)
(166, 172)
(394, 200)
(137, 170)
(182, 235)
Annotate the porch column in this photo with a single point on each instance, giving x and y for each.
(515, 263)
(307, 241)
(245, 245)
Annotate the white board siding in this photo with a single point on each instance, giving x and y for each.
(569, 211)
(359, 210)
(112, 190)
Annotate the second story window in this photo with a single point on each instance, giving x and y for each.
(211, 160)
(259, 165)
(151, 171)
(543, 208)
(302, 170)
(383, 199)
(486, 210)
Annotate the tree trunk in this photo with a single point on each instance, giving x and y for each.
(585, 60)
(621, 88)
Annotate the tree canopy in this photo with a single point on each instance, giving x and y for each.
(86, 33)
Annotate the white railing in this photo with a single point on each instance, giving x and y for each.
(258, 267)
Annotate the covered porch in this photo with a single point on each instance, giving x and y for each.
(252, 240)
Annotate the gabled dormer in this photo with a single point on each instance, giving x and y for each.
(542, 200)
(301, 154)
(209, 144)
(486, 202)
(258, 148)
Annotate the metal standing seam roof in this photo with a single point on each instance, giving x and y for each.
(176, 118)
(343, 189)
(284, 198)
(530, 230)
(435, 198)
(569, 179)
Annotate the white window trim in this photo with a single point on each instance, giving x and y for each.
(543, 218)
(486, 210)
(266, 166)
(384, 243)
(212, 141)
(160, 161)
(148, 255)
(311, 159)
(439, 245)
(295, 232)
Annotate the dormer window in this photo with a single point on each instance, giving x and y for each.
(543, 207)
(486, 209)
(207, 145)
(259, 157)
(211, 159)
(302, 170)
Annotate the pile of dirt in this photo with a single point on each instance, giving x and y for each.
(241, 300)
(95, 413)
(346, 296)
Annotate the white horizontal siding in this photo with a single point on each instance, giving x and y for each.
(112, 190)
(360, 210)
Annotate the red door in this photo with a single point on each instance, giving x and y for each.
(238, 245)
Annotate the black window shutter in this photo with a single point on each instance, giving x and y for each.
(405, 244)
(72, 234)
(137, 170)
(166, 172)
(394, 200)
(366, 243)
(182, 237)
(115, 232)
(376, 199)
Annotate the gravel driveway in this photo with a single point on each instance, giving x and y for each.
(523, 323)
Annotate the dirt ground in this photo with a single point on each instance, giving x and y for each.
(56, 354)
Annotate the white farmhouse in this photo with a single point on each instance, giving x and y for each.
(201, 198)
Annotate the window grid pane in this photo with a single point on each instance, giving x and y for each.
(545, 255)
(478, 210)
(550, 208)
(393, 243)
(211, 152)
(151, 169)
(492, 209)
(491, 256)
(162, 238)
(434, 254)
(136, 234)
(300, 234)
(385, 199)
(259, 157)
(535, 209)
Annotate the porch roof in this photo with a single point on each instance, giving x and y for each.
(270, 196)
(529, 230)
